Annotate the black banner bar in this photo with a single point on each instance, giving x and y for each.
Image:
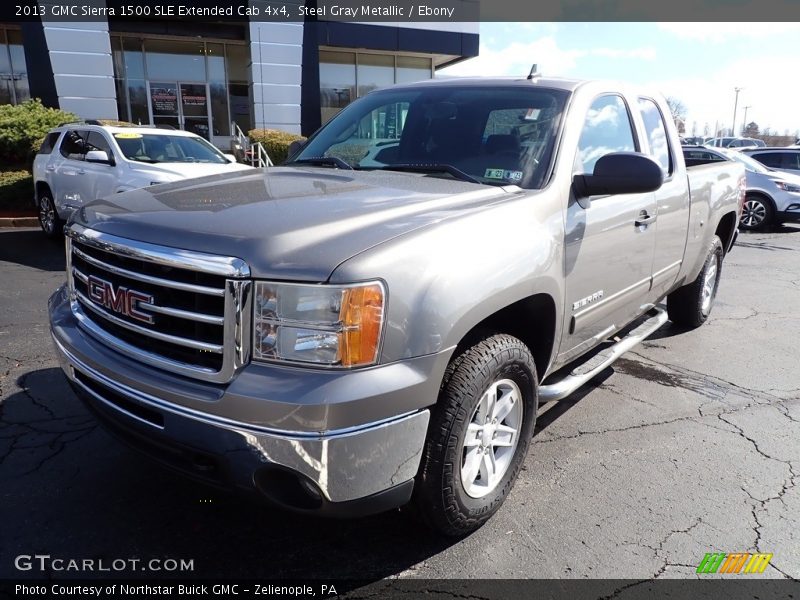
(381, 11)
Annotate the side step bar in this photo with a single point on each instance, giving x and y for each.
(585, 371)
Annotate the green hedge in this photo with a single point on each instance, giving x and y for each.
(24, 126)
(275, 142)
(16, 190)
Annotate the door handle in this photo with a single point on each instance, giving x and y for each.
(50, 168)
(644, 219)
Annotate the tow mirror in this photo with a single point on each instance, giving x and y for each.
(620, 173)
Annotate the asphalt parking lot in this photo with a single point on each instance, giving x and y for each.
(690, 444)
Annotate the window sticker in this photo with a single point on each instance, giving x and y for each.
(503, 174)
(128, 136)
(532, 114)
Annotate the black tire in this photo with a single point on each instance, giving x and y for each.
(686, 306)
(49, 221)
(440, 497)
(757, 213)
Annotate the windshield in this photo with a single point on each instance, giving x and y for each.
(164, 148)
(497, 135)
(749, 163)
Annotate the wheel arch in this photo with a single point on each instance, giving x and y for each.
(532, 320)
(726, 229)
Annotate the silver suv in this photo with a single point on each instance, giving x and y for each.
(780, 159)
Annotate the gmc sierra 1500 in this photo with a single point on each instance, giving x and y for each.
(377, 322)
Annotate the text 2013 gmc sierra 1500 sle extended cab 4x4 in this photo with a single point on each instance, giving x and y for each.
(376, 322)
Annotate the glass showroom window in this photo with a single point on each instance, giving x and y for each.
(13, 71)
(344, 76)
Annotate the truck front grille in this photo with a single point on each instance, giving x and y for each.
(182, 311)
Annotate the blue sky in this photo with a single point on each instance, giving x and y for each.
(698, 63)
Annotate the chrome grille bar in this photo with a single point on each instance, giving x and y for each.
(177, 285)
(157, 335)
(165, 310)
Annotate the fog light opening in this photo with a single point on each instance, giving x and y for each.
(287, 488)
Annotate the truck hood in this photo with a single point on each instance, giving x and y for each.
(286, 223)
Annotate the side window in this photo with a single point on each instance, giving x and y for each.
(793, 161)
(607, 129)
(770, 159)
(49, 142)
(656, 134)
(97, 141)
(73, 145)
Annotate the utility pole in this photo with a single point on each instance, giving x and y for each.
(735, 104)
(744, 124)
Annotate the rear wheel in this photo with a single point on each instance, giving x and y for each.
(757, 213)
(479, 434)
(690, 305)
(51, 224)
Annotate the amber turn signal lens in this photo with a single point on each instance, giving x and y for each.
(362, 317)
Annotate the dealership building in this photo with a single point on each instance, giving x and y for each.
(205, 76)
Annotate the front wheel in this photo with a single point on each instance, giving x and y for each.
(51, 224)
(690, 305)
(479, 435)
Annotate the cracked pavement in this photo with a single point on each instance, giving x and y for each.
(689, 444)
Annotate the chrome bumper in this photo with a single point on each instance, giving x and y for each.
(343, 465)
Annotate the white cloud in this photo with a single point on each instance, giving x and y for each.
(769, 88)
(517, 58)
(728, 32)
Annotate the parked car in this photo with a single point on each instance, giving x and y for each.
(735, 142)
(81, 162)
(345, 339)
(772, 197)
(780, 159)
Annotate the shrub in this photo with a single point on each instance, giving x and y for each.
(23, 127)
(16, 190)
(275, 142)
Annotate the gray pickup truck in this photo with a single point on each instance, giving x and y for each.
(376, 322)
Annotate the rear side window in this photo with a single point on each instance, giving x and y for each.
(49, 142)
(770, 159)
(607, 129)
(656, 134)
(73, 146)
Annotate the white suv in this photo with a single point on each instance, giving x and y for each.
(81, 162)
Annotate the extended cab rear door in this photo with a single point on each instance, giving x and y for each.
(610, 240)
(672, 198)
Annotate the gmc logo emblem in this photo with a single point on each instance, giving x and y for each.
(121, 300)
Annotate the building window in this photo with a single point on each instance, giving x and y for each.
(345, 76)
(197, 86)
(13, 71)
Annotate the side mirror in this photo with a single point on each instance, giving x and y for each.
(296, 146)
(231, 158)
(620, 173)
(98, 156)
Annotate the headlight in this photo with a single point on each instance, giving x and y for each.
(319, 324)
(788, 187)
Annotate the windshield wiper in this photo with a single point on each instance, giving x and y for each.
(144, 160)
(325, 161)
(431, 168)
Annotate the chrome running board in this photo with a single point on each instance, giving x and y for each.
(585, 371)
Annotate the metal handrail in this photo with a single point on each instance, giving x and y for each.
(254, 152)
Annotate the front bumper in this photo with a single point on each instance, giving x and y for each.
(360, 468)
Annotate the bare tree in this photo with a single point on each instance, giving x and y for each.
(751, 129)
(678, 111)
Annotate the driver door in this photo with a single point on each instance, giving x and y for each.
(610, 240)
